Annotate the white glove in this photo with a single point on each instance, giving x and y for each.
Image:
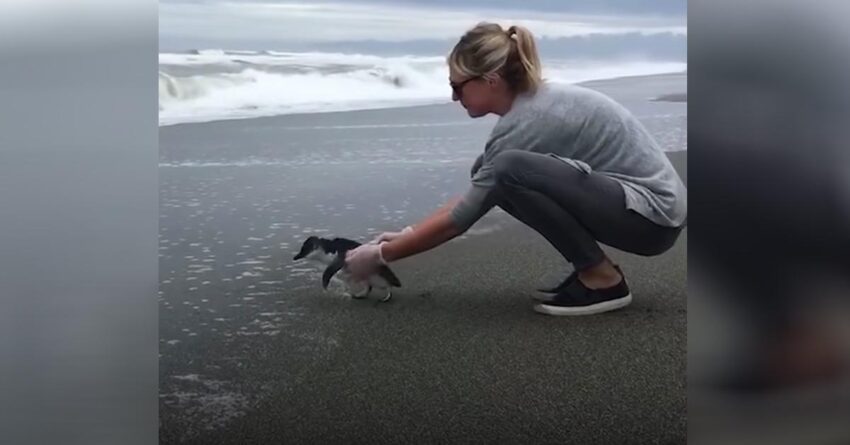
(364, 261)
(389, 236)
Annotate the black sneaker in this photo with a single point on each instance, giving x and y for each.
(577, 299)
(557, 289)
(547, 294)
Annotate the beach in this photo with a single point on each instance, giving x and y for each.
(252, 350)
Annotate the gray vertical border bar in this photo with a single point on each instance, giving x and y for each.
(78, 222)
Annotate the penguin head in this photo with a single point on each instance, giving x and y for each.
(310, 245)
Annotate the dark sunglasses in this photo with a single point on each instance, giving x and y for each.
(457, 88)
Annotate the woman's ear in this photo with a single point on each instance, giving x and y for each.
(493, 81)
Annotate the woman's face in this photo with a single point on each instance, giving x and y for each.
(476, 94)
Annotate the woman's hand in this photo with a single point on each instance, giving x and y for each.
(389, 236)
(364, 260)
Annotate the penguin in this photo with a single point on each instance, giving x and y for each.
(331, 253)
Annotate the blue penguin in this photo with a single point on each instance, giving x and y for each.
(331, 254)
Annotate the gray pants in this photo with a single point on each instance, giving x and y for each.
(573, 209)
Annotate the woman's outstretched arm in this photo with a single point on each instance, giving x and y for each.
(434, 230)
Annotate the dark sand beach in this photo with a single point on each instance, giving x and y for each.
(253, 351)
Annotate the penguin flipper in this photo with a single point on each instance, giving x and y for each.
(337, 264)
(387, 274)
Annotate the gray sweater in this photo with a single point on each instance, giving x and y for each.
(590, 131)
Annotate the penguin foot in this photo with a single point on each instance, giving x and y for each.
(363, 295)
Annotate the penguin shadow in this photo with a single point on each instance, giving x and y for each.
(426, 297)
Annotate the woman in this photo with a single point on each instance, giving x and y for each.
(567, 161)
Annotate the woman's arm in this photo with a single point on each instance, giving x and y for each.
(444, 209)
(434, 230)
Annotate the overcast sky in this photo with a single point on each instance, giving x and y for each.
(586, 28)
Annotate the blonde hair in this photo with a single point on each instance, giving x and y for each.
(488, 49)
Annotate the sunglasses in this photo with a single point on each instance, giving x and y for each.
(457, 88)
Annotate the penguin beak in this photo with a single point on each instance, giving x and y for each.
(298, 257)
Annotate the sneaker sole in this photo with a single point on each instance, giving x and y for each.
(597, 308)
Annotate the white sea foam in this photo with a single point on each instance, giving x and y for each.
(216, 84)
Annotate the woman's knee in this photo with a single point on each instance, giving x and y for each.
(658, 244)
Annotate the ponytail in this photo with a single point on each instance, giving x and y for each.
(530, 76)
